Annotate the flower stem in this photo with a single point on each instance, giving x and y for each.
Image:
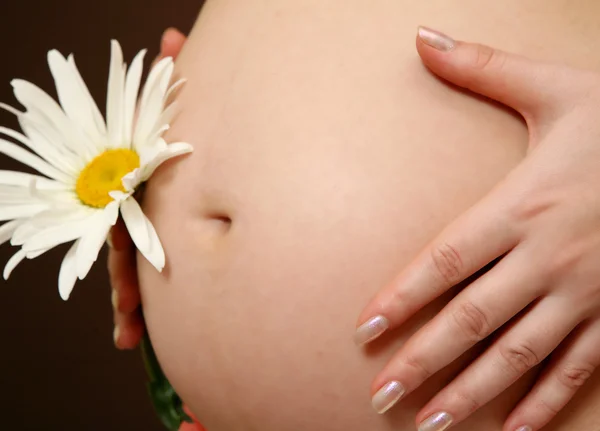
(167, 404)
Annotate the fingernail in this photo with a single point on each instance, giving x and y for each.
(387, 396)
(114, 298)
(524, 428)
(435, 39)
(116, 335)
(371, 329)
(436, 422)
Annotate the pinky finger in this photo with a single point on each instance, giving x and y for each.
(559, 382)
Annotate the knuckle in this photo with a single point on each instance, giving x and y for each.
(488, 58)
(574, 376)
(547, 407)
(447, 263)
(421, 371)
(534, 203)
(468, 403)
(471, 321)
(519, 357)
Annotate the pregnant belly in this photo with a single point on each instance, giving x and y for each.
(325, 158)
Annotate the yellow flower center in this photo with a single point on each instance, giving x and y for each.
(103, 175)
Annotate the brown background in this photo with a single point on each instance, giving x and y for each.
(58, 367)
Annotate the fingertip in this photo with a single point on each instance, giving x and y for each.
(129, 331)
(114, 299)
(430, 41)
(171, 42)
(520, 83)
(117, 336)
(171, 34)
(431, 57)
(437, 52)
(371, 330)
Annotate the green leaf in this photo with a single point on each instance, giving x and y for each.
(167, 404)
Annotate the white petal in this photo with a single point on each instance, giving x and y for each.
(149, 152)
(23, 233)
(158, 74)
(119, 196)
(75, 102)
(132, 87)
(20, 211)
(10, 109)
(167, 116)
(41, 146)
(10, 196)
(111, 213)
(30, 159)
(54, 197)
(48, 219)
(143, 233)
(35, 99)
(173, 150)
(41, 108)
(56, 235)
(98, 119)
(60, 215)
(132, 180)
(158, 132)
(14, 178)
(91, 243)
(7, 190)
(173, 88)
(68, 273)
(7, 230)
(114, 101)
(16, 259)
(152, 102)
(34, 254)
(12, 263)
(39, 130)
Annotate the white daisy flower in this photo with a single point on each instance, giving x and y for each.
(89, 168)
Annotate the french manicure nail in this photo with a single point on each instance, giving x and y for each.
(524, 428)
(116, 335)
(435, 39)
(371, 329)
(436, 422)
(387, 396)
(114, 298)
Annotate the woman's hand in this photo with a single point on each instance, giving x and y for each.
(542, 223)
(129, 325)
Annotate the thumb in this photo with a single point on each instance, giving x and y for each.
(525, 85)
